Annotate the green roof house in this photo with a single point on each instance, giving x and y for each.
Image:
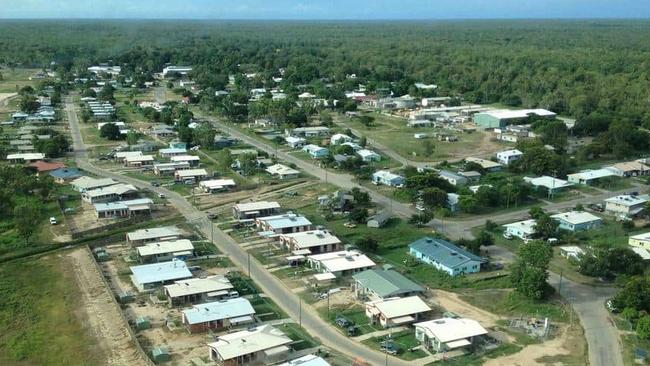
(160, 355)
(384, 283)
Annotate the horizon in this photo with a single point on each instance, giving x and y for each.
(326, 10)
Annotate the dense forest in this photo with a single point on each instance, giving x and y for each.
(575, 68)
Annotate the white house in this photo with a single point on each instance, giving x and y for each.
(251, 210)
(339, 138)
(171, 151)
(121, 155)
(84, 183)
(396, 311)
(110, 193)
(315, 151)
(550, 183)
(454, 179)
(368, 155)
(522, 229)
(340, 263)
(295, 142)
(590, 176)
(448, 334)
(165, 251)
(198, 290)
(509, 156)
(142, 236)
(314, 241)
(263, 345)
(387, 178)
(283, 224)
(571, 251)
(139, 160)
(149, 276)
(640, 240)
(282, 171)
(25, 157)
(169, 168)
(625, 205)
(193, 160)
(192, 174)
(216, 185)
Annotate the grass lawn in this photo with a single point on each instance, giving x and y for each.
(266, 309)
(614, 183)
(393, 133)
(38, 307)
(302, 340)
(355, 314)
(404, 340)
(510, 303)
(14, 79)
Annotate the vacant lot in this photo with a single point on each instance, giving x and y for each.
(14, 79)
(40, 318)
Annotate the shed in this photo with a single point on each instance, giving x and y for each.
(125, 297)
(379, 219)
(142, 323)
(160, 355)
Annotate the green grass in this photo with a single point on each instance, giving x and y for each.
(14, 79)
(355, 314)
(630, 343)
(302, 339)
(38, 307)
(266, 309)
(511, 303)
(405, 340)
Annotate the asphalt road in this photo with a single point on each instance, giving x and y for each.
(587, 301)
(270, 285)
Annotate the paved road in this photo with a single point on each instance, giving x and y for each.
(587, 301)
(342, 180)
(270, 285)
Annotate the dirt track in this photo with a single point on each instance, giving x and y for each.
(451, 302)
(102, 314)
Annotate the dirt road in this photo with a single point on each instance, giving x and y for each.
(102, 314)
(451, 302)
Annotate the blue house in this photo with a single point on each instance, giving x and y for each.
(316, 151)
(387, 178)
(445, 256)
(64, 175)
(577, 220)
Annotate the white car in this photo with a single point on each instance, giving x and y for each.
(52, 221)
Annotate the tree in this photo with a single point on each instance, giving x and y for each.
(107, 92)
(363, 141)
(643, 327)
(468, 203)
(26, 214)
(434, 197)
(366, 120)
(530, 271)
(428, 147)
(132, 137)
(361, 198)
(421, 218)
(326, 119)
(367, 244)
(484, 238)
(635, 294)
(110, 131)
(545, 226)
(204, 136)
(358, 215)
(28, 104)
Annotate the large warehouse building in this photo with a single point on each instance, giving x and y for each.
(503, 117)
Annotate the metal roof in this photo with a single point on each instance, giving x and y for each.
(164, 247)
(194, 286)
(249, 341)
(444, 252)
(225, 309)
(154, 233)
(386, 283)
(160, 272)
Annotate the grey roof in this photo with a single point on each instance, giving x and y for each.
(444, 252)
(386, 283)
(381, 217)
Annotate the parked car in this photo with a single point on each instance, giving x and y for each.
(155, 184)
(161, 195)
(507, 235)
(342, 322)
(212, 215)
(52, 221)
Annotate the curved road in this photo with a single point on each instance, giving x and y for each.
(587, 301)
(271, 286)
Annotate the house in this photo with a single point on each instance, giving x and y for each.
(355, 147)
(311, 131)
(119, 156)
(314, 241)
(239, 152)
(641, 252)
(448, 334)
(171, 71)
(218, 315)
(509, 156)
(139, 160)
(24, 157)
(398, 311)
(590, 176)
(150, 276)
(522, 229)
(342, 263)
(315, 151)
(476, 188)
(445, 256)
(172, 151)
(503, 117)
(472, 176)
(193, 160)
(165, 251)
(65, 175)
(130, 208)
(198, 290)
(216, 185)
(571, 252)
(379, 219)
(263, 345)
(84, 183)
(283, 224)
(626, 205)
(161, 131)
(110, 193)
(190, 174)
(387, 178)
(488, 165)
(282, 172)
(629, 169)
(577, 221)
(339, 138)
(295, 142)
(640, 241)
(420, 123)
(169, 168)
(552, 184)
(308, 360)
(45, 167)
(453, 202)
(221, 141)
(338, 201)
(154, 234)
(368, 155)
(379, 284)
(252, 210)
(454, 179)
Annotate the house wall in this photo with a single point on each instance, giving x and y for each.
(640, 243)
(579, 227)
(469, 267)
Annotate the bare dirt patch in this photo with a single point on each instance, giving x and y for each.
(102, 313)
(452, 302)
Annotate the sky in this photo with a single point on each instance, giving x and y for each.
(324, 9)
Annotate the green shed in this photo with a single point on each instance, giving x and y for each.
(160, 355)
(142, 323)
(125, 297)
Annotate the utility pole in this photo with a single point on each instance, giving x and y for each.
(300, 313)
(249, 264)
(559, 286)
